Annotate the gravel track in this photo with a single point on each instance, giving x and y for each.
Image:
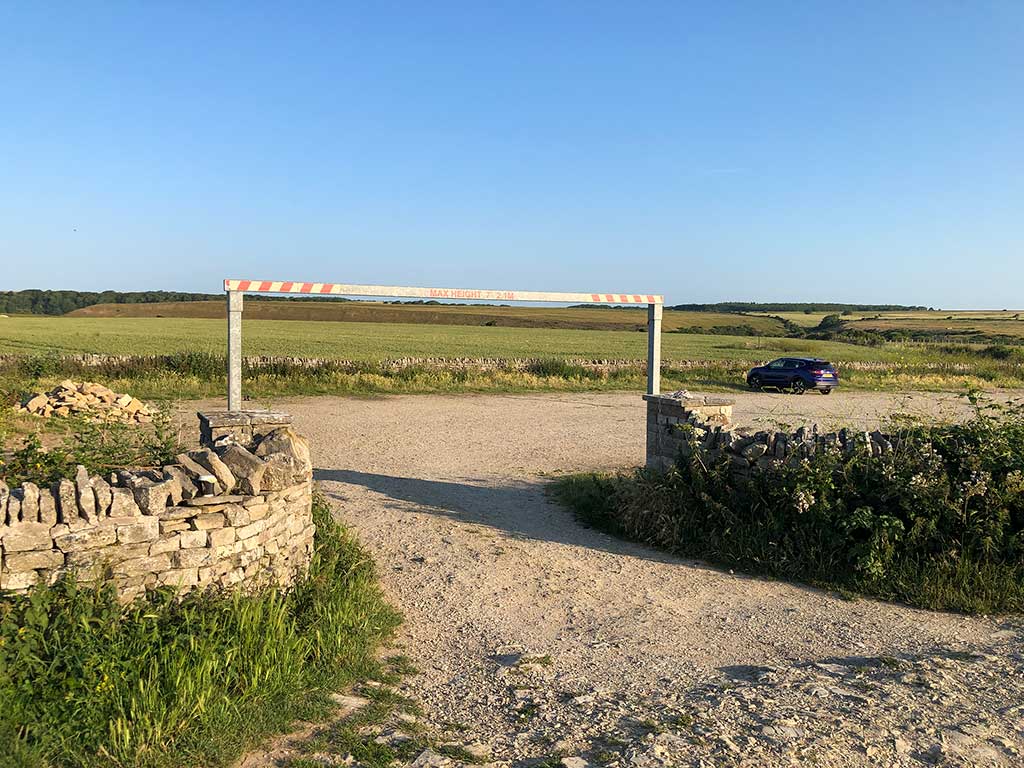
(540, 638)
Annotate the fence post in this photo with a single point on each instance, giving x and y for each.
(654, 349)
(234, 350)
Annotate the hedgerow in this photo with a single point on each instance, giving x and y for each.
(937, 523)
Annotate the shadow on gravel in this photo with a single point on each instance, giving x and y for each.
(521, 509)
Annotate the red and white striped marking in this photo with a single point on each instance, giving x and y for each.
(343, 289)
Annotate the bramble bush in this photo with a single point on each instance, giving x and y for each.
(937, 523)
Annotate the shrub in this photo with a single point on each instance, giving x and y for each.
(99, 446)
(938, 523)
(168, 682)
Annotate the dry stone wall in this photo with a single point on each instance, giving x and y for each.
(236, 511)
(679, 425)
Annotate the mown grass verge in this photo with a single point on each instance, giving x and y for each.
(937, 523)
(164, 683)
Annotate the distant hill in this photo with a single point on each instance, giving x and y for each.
(46, 302)
(630, 319)
(40, 302)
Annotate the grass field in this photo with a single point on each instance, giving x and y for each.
(1007, 322)
(355, 358)
(381, 341)
(579, 318)
(1009, 325)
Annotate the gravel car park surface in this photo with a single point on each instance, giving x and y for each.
(538, 639)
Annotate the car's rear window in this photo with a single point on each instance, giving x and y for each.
(822, 364)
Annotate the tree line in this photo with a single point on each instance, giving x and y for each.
(39, 302)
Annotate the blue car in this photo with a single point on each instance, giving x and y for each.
(797, 374)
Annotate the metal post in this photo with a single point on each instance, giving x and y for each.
(234, 350)
(654, 349)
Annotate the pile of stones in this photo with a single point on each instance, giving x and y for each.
(87, 399)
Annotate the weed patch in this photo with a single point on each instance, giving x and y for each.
(163, 682)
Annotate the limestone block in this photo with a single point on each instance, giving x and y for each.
(194, 470)
(214, 466)
(173, 526)
(85, 498)
(237, 515)
(177, 513)
(18, 581)
(257, 511)
(192, 539)
(246, 468)
(122, 503)
(143, 529)
(187, 489)
(84, 558)
(13, 516)
(221, 537)
(285, 440)
(192, 558)
(143, 565)
(208, 521)
(168, 544)
(30, 561)
(24, 537)
(178, 577)
(246, 531)
(47, 507)
(85, 538)
(154, 497)
(102, 496)
(279, 471)
(29, 496)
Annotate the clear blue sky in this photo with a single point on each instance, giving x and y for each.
(753, 150)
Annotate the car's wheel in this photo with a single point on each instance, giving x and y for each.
(798, 386)
(755, 383)
(826, 391)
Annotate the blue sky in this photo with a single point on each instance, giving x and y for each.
(867, 152)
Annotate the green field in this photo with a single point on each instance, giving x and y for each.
(576, 318)
(1007, 323)
(380, 341)
(36, 347)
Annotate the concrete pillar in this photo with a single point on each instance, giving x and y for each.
(234, 350)
(654, 348)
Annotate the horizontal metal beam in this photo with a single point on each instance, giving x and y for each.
(462, 294)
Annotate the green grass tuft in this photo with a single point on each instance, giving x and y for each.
(164, 683)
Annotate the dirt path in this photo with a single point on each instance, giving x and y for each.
(540, 638)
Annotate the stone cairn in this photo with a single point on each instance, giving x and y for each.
(87, 399)
(679, 424)
(237, 510)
